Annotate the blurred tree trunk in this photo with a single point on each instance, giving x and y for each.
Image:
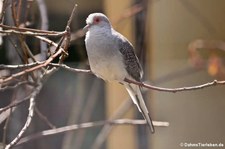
(116, 93)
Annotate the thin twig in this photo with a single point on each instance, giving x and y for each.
(29, 33)
(30, 115)
(148, 86)
(15, 46)
(20, 66)
(119, 113)
(13, 10)
(88, 125)
(174, 90)
(44, 118)
(68, 35)
(65, 43)
(15, 103)
(71, 15)
(75, 70)
(26, 50)
(49, 60)
(18, 13)
(28, 121)
(43, 32)
(4, 6)
(5, 129)
(13, 86)
(25, 127)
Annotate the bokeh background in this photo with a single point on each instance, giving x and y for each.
(179, 43)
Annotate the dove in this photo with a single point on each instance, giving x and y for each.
(111, 57)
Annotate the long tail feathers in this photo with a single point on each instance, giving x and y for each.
(135, 93)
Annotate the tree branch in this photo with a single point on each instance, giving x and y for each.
(29, 118)
(38, 65)
(174, 90)
(88, 125)
(49, 60)
(31, 31)
(148, 86)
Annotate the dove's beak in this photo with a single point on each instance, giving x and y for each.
(85, 29)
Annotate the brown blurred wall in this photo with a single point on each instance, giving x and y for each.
(195, 116)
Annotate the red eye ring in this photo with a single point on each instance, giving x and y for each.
(96, 20)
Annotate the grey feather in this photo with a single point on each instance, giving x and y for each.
(135, 94)
(131, 61)
(134, 69)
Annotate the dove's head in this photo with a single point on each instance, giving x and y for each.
(97, 21)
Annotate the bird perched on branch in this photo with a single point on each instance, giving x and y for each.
(111, 57)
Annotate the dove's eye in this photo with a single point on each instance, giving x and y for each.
(96, 20)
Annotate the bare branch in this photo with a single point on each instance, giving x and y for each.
(60, 49)
(29, 33)
(51, 58)
(68, 35)
(38, 65)
(5, 115)
(103, 134)
(21, 66)
(29, 118)
(71, 15)
(148, 86)
(2, 14)
(6, 126)
(70, 69)
(174, 90)
(25, 127)
(44, 118)
(88, 125)
(31, 30)
(15, 103)
(14, 86)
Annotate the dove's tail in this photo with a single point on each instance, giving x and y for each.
(135, 94)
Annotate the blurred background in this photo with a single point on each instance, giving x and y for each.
(179, 43)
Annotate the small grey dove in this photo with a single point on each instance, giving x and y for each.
(111, 57)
